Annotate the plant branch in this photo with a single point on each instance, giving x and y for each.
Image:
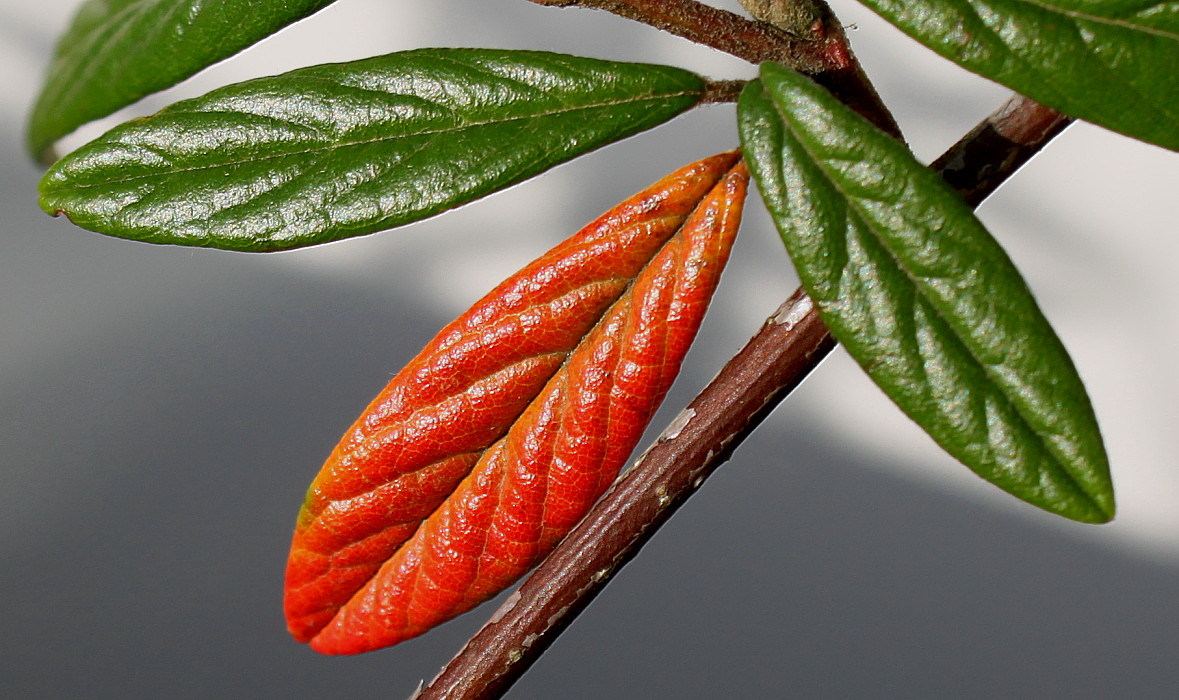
(789, 345)
(825, 54)
(999, 145)
(722, 30)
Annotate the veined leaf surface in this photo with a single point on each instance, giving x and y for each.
(333, 151)
(500, 434)
(117, 51)
(1111, 62)
(923, 298)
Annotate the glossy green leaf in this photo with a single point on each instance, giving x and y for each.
(1111, 62)
(117, 51)
(926, 301)
(333, 151)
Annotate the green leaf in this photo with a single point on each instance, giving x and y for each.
(333, 151)
(923, 298)
(1111, 62)
(117, 51)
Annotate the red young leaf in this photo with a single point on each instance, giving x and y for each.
(497, 438)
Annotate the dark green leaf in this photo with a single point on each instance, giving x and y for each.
(334, 151)
(914, 287)
(117, 51)
(1111, 62)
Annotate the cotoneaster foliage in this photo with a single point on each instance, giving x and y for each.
(469, 467)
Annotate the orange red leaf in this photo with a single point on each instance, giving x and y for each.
(496, 439)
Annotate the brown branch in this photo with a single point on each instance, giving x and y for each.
(845, 78)
(824, 55)
(789, 345)
(722, 30)
(999, 145)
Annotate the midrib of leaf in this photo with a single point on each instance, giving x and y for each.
(859, 212)
(626, 289)
(324, 150)
(1037, 68)
(516, 314)
(1099, 19)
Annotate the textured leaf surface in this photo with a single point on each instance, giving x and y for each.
(117, 51)
(340, 150)
(453, 404)
(1110, 62)
(923, 298)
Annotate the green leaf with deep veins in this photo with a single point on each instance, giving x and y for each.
(923, 298)
(1111, 62)
(333, 151)
(117, 51)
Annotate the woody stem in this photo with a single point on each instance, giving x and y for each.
(824, 53)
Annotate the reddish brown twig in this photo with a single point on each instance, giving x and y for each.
(722, 30)
(790, 344)
(824, 55)
(999, 145)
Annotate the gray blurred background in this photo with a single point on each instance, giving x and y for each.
(165, 408)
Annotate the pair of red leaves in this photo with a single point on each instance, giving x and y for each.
(498, 437)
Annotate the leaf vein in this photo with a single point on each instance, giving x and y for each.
(381, 139)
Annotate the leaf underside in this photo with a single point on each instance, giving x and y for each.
(923, 298)
(1110, 62)
(492, 442)
(334, 151)
(117, 51)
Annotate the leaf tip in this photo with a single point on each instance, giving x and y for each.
(1091, 503)
(1103, 507)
